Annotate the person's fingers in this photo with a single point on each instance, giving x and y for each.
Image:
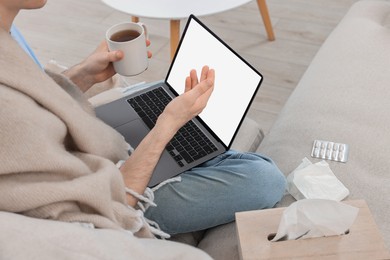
(149, 52)
(111, 56)
(209, 82)
(188, 84)
(118, 55)
(204, 85)
(194, 78)
(210, 77)
(110, 71)
(204, 73)
(209, 88)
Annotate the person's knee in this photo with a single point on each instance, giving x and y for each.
(271, 184)
(279, 185)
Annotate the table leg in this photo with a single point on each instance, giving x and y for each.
(175, 36)
(266, 19)
(135, 19)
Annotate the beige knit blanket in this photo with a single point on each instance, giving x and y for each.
(57, 160)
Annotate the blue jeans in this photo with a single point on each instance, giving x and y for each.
(210, 194)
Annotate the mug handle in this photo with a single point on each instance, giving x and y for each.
(145, 30)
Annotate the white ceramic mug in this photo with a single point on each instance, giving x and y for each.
(135, 59)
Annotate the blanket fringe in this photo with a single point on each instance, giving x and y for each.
(146, 200)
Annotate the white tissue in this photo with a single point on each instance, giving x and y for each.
(311, 218)
(315, 181)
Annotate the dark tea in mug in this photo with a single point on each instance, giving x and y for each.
(124, 36)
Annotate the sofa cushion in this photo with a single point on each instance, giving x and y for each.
(344, 97)
(221, 242)
(28, 238)
(248, 137)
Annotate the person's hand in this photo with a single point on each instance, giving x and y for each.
(97, 67)
(139, 167)
(191, 103)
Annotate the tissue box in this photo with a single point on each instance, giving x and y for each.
(255, 229)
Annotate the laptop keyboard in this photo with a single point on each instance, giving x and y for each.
(189, 143)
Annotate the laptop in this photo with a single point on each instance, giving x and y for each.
(210, 133)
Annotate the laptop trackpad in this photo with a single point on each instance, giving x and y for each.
(133, 132)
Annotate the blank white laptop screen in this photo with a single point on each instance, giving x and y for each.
(235, 80)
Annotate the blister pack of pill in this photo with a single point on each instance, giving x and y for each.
(330, 151)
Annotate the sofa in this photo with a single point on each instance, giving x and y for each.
(343, 97)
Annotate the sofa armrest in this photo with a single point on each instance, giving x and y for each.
(248, 137)
(29, 238)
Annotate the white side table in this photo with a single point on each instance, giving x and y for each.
(174, 10)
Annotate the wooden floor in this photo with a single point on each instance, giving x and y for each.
(67, 31)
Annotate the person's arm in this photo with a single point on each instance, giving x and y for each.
(95, 68)
(137, 170)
